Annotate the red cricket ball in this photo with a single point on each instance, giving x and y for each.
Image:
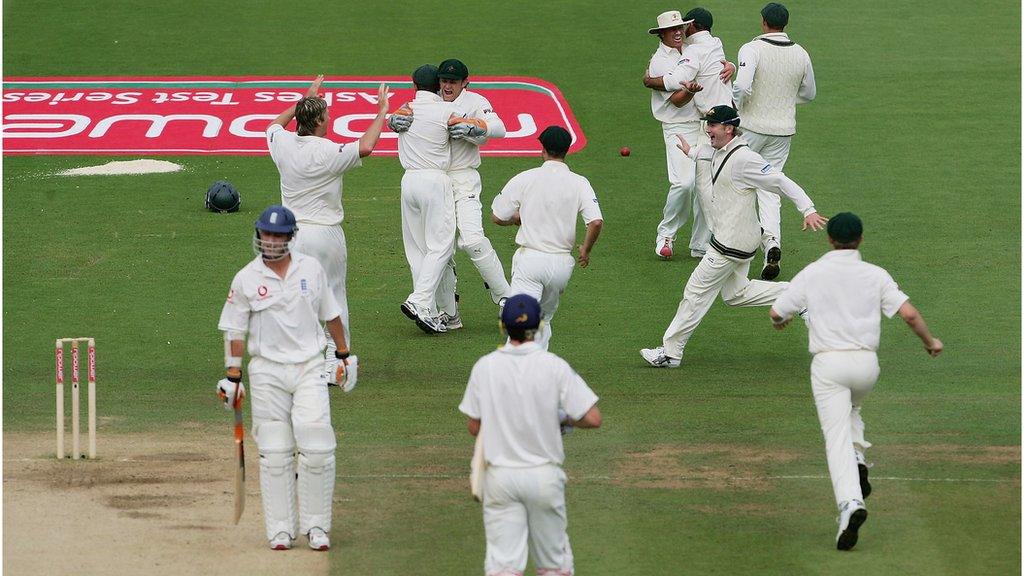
(624, 151)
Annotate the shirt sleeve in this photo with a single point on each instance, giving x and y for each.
(793, 299)
(273, 140)
(743, 84)
(758, 173)
(576, 397)
(234, 317)
(470, 405)
(495, 127)
(590, 209)
(892, 297)
(507, 201)
(685, 71)
(342, 157)
(807, 90)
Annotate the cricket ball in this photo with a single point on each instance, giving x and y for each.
(624, 151)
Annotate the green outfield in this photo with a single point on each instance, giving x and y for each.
(715, 468)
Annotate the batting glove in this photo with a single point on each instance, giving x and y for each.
(399, 122)
(463, 130)
(227, 387)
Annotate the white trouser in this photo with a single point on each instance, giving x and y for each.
(715, 274)
(682, 195)
(326, 243)
(774, 149)
(291, 409)
(428, 231)
(544, 276)
(840, 382)
(471, 239)
(524, 508)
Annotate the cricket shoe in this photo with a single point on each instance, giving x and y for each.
(318, 540)
(282, 541)
(451, 321)
(656, 357)
(429, 324)
(663, 247)
(851, 517)
(771, 267)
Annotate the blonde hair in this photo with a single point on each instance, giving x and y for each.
(309, 112)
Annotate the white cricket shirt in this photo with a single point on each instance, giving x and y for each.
(311, 169)
(767, 100)
(701, 60)
(466, 151)
(282, 316)
(548, 199)
(664, 60)
(516, 392)
(845, 298)
(731, 202)
(425, 145)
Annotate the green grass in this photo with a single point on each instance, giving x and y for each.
(916, 128)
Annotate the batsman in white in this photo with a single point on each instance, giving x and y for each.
(845, 298)
(736, 175)
(775, 74)
(544, 202)
(277, 303)
(476, 123)
(518, 400)
(311, 168)
(428, 204)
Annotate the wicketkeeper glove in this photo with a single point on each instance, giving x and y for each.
(228, 386)
(459, 128)
(400, 120)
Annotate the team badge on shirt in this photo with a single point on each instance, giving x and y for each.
(304, 288)
(262, 291)
(766, 169)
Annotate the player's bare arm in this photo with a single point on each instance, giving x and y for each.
(592, 419)
(913, 318)
(593, 231)
(473, 424)
(654, 82)
(287, 115)
(682, 97)
(513, 221)
(369, 139)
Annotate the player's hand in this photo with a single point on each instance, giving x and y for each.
(814, 221)
(314, 88)
(692, 87)
(683, 144)
(227, 389)
(728, 69)
(382, 99)
(935, 348)
(647, 79)
(399, 122)
(564, 422)
(584, 257)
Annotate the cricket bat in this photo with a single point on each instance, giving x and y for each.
(240, 469)
(477, 466)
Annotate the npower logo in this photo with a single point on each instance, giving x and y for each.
(230, 115)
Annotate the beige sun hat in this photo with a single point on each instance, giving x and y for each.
(669, 19)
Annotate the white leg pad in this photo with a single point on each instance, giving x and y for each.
(277, 477)
(316, 476)
(487, 263)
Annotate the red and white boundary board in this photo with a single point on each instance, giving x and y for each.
(228, 115)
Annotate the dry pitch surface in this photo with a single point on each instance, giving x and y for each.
(151, 504)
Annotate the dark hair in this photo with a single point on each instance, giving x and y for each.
(556, 154)
(308, 113)
(775, 15)
(845, 245)
(521, 334)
